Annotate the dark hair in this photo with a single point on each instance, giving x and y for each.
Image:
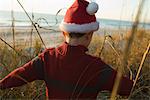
(75, 35)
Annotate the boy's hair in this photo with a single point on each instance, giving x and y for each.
(74, 35)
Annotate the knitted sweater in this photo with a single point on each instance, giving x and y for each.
(68, 72)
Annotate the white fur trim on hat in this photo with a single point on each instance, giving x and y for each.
(92, 8)
(79, 28)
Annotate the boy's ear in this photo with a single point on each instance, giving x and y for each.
(87, 36)
(65, 34)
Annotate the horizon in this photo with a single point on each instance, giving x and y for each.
(114, 9)
(21, 19)
(123, 20)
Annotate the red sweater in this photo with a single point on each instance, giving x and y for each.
(68, 72)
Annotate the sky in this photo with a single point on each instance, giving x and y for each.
(111, 9)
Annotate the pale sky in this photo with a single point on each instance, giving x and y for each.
(112, 9)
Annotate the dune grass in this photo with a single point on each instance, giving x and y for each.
(111, 51)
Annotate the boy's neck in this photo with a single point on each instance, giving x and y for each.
(76, 42)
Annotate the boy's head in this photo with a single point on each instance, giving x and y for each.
(78, 38)
(80, 20)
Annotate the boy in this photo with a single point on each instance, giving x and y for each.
(68, 71)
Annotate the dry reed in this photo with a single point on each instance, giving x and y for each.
(126, 51)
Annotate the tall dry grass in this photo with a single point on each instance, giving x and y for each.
(36, 89)
(138, 48)
(8, 64)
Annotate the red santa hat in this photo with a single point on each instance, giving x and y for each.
(80, 18)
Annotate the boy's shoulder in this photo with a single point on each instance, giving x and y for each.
(47, 52)
(95, 60)
(92, 57)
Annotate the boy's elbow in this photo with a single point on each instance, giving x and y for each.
(1, 85)
(125, 87)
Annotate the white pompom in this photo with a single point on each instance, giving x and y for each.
(92, 8)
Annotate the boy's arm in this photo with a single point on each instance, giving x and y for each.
(109, 75)
(31, 71)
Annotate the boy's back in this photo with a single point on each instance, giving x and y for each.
(68, 73)
(69, 69)
(71, 73)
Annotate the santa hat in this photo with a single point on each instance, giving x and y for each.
(80, 18)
